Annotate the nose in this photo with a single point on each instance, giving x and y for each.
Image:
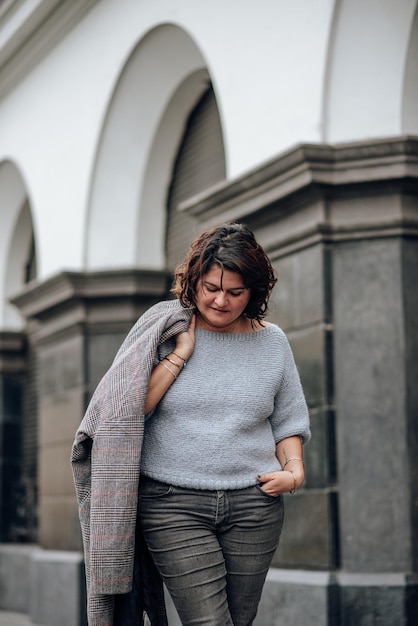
(221, 299)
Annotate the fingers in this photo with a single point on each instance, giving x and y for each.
(264, 478)
(278, 478)
(185, 340)
(279, 482)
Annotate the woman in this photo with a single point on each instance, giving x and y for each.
(225, 419)
(222, 431)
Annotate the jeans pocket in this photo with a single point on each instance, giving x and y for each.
(264, 493)
(150, 488)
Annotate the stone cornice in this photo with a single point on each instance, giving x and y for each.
(12, 352)
(307, 169)
(29, 30)
(40, 300)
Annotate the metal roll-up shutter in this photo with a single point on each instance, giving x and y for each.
(200, 163)
(27, 509)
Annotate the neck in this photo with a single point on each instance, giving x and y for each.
(241, 325)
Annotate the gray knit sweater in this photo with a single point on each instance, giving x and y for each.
(217, 425)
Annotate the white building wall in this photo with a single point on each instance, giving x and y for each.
(367, 69)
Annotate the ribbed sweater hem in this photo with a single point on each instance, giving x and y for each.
(211, 485)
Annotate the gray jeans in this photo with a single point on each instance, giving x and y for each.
(212, 548)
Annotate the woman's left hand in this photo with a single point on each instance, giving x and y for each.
(276, 483)
(185, 341)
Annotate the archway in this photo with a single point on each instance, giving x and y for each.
(18, 411)
(17, 243)
(410, 86)
(144, 124)
(365, 84)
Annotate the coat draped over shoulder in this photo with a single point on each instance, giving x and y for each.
(105, 461)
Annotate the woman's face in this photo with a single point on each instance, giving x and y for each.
(221, 298)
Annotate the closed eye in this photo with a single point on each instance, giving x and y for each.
(232, 292)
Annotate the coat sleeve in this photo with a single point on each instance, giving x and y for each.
(106, 452)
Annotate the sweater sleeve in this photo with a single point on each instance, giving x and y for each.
(290, 416)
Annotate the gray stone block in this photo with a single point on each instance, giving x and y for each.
(309, 534)
(372, 435)
(299, 297)
(377, 599)
(289, 597)
(14, 576)
(101, 350)
(296, 597)
(57, 595)
(319, 454)
(410, 274)
(61, 366)
(311, 347)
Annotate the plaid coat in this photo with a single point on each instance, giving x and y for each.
(106, 460)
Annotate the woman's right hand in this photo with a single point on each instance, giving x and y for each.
(185, 341)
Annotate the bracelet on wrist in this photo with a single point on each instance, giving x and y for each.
(180, 357)
(294, 458)
(293, 491)
(179, 367)
(168, 370)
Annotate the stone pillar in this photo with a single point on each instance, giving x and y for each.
(341, 226)
(376, 335)
(78, 322)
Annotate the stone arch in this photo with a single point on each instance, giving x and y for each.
(144, 123)
(410, 86)
(17, 251)
(152, 215)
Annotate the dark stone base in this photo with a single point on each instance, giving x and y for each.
(377, 599)
(49, 586)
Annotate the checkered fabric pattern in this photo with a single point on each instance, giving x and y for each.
(106, 459)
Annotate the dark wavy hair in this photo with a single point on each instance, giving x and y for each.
(233, 247)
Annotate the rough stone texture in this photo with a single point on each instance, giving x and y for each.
(410, 300)
(372, 430)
